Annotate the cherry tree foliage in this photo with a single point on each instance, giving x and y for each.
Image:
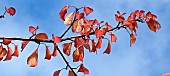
(76, 20)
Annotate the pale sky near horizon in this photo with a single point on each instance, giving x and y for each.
(149, 56)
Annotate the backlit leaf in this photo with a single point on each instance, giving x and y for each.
(56, 39)
(78, 54)
(83, 69)
(93, 46)
(113, 37)
(99, 43)
(32, 60)
(48, 54)
(24, 43)
(87, 10)
(77, 26)
(79, 15)
(63, 12)
(54, 54)
(68, 19)
(132, 39)
(71, 73)
(98, 33)
(32, 29)
(56, 73)
(108, 49)
(78, 42)
(6, 41)
(41, 36)
(67, 48)
(16, 52)
(10, 10)
(3, 52)
(109, 27)
(153, 25)
(9, 54)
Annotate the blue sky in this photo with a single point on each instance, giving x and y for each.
(149, 56)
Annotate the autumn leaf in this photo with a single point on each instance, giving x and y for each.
(56, 39)
(99, 43)
(56, 73)
(97, 22)
(71, 73)
(63, 12)
(113, 37)
(68, 19)
(54, 54)
(77, 26)
(87, 45)
(99, 32)
(24, 43)
(153, 25)
(109, 27)
(9, 54)
(108, 49)
(132, 39)
(79, 15)
(48, 54)
(93, 46)
(78, 42)
(10, 10)
(78, 54)
(3, 52)
(16, 52)
(83, 69)
(166, 74)
(41, 36)
(32, 29)
(87, 10)
(32, 60)
(6, 41)
(139, 13)
(67, 48)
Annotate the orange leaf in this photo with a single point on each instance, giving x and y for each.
(166, 74)
(71, 73)
(153, 25)
(32, 60)
(41, 36)
(78, 54)
(87, 10)
(48, 54)
(32, 29)
(24, 43)
(83, 69)
(132, 39)
(108, 49)
(93, 46)
(98, 33)
(87, 45)
(16, 52)
(109, 27)
(113, 37)
(78, 42)
(6, 41)
(9, 54)
(99, 43)
(56, 39)
(79, 15)
(55, 51)
(77, 26)
(63, 12)
(10, 10)
(56, 73)
(68, 19)
(67, 48)
(98, 23)
(3, 52)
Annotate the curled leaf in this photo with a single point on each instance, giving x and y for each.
(63, 12)
(83, 69)
(10, 10)
(67, 48)
(108, 49)
(9, 54)
(93, 46)
(24, 43)
(3, 52)
(6, 41)
(132, 39)
(54, 51)
(32, 60)
(68, 19)
(41, 36)
(16, 52)
(153, 25)
(87, 10)
(48, 54)
(99, 43)
(113, 37)
(79, 15)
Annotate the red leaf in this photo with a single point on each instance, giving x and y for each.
(32, 60)
(41, 36)
(132, 39)
(108, 49)
(153, 25)
(109, 27)
(166, 74)
(3, 52)
(78, 54)
(6, 41)
(55, 51)
(83, 69)
(48, 54)
(56, 73)
(79, 15)
(16, 52)
(24, 43)
(87, 10)
(9, 54)
(56, 39)
(68, 19)
(78, 42)
(113, 37)
(71, 73)
(77, 26)
(98, 23)
(32, 29)
(67, 48)
(63, 12)
(98, 33)
(10, 10)
(99, 43)
(93, 46)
